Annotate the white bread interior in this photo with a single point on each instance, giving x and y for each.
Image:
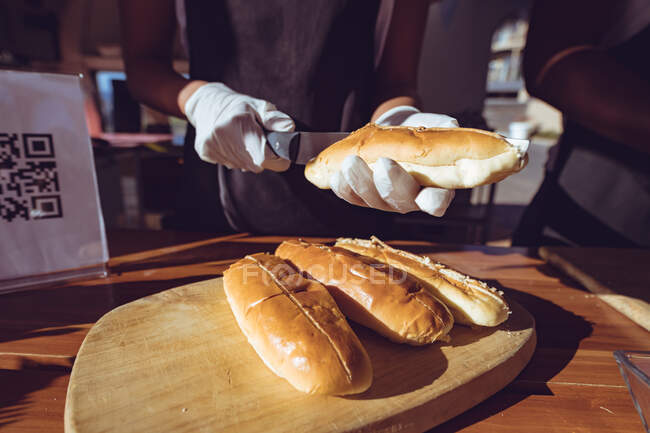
(450, 158)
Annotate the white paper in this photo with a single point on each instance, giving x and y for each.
(50, 219)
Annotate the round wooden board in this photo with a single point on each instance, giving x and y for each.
(176, 361)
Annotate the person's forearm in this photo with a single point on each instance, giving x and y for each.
(391, 103)
(157, 85)
(396, 76)
(147, 36)
(591, 88)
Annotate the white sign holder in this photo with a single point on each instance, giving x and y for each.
(51, 225)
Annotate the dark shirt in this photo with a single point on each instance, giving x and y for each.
(315, 61)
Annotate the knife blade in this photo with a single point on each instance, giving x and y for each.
(300, 147)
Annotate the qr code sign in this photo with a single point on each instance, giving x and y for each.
(29, 182)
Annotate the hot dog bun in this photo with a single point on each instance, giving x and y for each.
(472, 302)
(295, 326)
(373, 294)
(449, 158)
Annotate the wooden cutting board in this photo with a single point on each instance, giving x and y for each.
(177, 362)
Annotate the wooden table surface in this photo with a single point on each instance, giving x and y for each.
(572, 383)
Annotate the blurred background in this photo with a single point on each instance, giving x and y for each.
(470, 69)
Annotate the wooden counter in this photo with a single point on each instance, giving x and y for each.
(572, 383)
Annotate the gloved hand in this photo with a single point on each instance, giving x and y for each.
(229, 128)
(387, 186)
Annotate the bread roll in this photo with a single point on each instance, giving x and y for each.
(472, 302)
(449, 158)
(295, 326)
(373, 294)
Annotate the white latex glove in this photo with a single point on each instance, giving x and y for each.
(387, 186)
(229, 128)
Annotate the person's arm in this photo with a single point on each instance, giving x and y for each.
(148, 28)
(397, 71)
(229, 125)
(389, 186)
(564, 66)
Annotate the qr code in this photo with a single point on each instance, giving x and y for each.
(29, 182)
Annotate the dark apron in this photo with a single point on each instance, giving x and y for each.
(596, 192)
(306, 57)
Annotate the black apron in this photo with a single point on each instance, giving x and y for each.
(596, 192)
(315, 61)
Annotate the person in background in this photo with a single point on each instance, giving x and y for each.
(589, 59)
(276, 65)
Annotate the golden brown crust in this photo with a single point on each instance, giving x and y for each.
(295, 326)
(472, 302)
(431, 155)
(377, 296)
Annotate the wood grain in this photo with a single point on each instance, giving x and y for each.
(176, 361)
(619, 278)
(583, 410)
(41, 331)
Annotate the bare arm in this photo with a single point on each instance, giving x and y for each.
(587, 84)
(397, 71)
(147, 35)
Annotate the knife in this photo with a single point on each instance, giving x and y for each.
(300, 147)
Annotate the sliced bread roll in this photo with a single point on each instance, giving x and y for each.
(373, 294)
(449, 158)
(295, 326)
(472, 302)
